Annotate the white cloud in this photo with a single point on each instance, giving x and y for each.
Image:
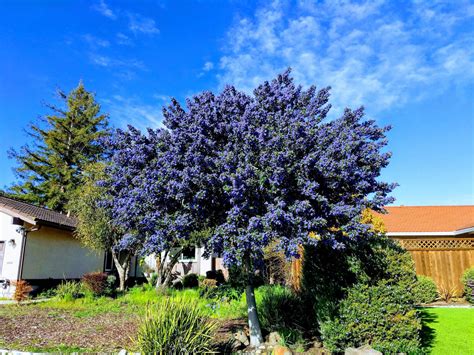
(141, 24)
(208, 66)
(95, 42)
(123, 39)
(370, 52)
(103, 9)
(106, 61)
(132, 111)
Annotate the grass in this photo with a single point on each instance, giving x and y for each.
(448, 330)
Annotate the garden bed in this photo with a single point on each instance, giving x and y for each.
(102, 324)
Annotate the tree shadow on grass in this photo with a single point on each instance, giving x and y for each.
(428, 334)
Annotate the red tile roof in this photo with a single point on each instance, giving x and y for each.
(428, 218)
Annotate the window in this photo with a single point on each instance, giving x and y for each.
(2, 253)
(188, 254)
(108, 262)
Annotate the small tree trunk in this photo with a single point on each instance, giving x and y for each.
(256, 337)
(122, 268)
(165, 270)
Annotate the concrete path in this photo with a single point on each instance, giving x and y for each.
(6, 302)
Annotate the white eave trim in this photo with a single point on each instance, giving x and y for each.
(434, 234)
(15, 213)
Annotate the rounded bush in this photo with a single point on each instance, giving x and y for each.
(468, 283)
(176, 326)
(380, 315)
(425, 290)
(190, 281)
(95, 282)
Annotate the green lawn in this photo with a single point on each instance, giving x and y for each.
(448, 330)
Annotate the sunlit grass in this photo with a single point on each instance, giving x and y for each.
(448, 330)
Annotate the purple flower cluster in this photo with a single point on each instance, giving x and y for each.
(252, 169)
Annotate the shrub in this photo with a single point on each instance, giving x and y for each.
(377, 266)
(190, 281)
(280, 310)
(380, 315)
(175, 326)
(209, 283)
(111, 286)
(217, 275)
(425, 290)
(22, 290)
(47, 293)
(468, 283)
(69, 290)
(95, 282)
(223, 293)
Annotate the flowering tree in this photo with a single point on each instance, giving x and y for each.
(268, 167)
(142, 200)
(250, 170)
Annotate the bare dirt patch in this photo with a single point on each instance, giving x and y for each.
(34, 328)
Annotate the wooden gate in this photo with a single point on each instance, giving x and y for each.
(442, 259)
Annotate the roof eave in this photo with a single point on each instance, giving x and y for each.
(15, 213)
(434, 234)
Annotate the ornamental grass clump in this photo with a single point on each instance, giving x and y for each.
(69, 290)
(175, 326)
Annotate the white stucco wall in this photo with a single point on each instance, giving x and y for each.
(56, 254)
(199, 265)
(8, 232)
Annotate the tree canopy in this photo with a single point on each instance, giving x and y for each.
(50, 166)
(251, 170)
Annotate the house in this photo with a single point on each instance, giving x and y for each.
(37, 245)
(439, 238)
(191, 260)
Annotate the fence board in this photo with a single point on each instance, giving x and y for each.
(442, 259)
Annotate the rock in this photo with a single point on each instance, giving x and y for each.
(242, 337)
(237, 345)
(281, 350)
(362, 350)
(317, 345)
(274, 338)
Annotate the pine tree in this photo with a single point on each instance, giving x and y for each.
(50, 167)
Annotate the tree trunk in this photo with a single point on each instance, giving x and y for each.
(256, 337)
(164, 270)
(122, 268)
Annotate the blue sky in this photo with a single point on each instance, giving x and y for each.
(411, 64)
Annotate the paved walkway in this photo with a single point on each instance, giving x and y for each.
(4, 302)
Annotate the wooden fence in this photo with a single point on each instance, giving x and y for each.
(442, 259)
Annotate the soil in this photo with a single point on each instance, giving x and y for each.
(45, 328)
(51, 329)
